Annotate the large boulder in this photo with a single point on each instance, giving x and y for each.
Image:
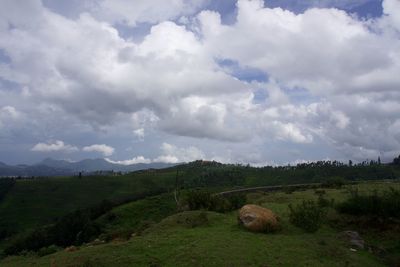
(258, 219)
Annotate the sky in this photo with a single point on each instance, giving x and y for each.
(248, 81)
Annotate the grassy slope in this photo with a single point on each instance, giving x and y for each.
(32, 203)
(132, 216)
(221, 243)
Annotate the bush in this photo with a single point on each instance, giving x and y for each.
(74, 228)
(197, 199)
(236, 201)
(289, 189)
(383, 205)
(334, 182)
(6, 184)
(48, 250)
(308, 215)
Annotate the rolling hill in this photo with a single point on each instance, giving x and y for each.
(53, 167)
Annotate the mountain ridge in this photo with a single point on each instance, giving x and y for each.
(55, 167)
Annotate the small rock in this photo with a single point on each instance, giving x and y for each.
(354, 239)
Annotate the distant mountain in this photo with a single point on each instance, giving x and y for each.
(53, 167)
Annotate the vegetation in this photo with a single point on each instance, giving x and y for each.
(200, 199)
(204, 238)
(308, 215)
(5, 185)
(383, 205)
(36, 216)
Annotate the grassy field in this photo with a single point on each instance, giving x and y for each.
(198, 238)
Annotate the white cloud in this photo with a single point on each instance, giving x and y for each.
(101, 148)
(9, 112)
(135, 160)
(173, 154)
(139, 133)
(139, 11)
(391, 8)
(169, 154)
(54, 146)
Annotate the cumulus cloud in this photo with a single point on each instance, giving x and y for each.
(135, 160)
(169, 154)
(391, 8)
(54, 146)
(173, 154)
(101, 148)
(144, 11)
(139, 133)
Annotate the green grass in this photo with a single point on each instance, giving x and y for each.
(130, 217)
(177, 241)
(221, 243)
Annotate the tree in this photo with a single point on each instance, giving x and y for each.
(396, 161)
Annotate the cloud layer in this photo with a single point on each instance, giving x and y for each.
(322, 78)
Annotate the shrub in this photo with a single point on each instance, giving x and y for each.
(308, 215)
(383, 205)
(324, 203)
(334, 182)
(289, 189)
(48, 250)
(6, 184)
(236, 201)
(197, 199)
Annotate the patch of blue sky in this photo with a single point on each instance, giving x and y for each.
(363, 8)
(371, 9)
(4, 58)
(243, 73)
(298, 95)
(260, 96)
(226, 8)
(136, 34)
(6, 85)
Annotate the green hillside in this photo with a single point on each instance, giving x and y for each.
(199, 238)
(37, 214)
(31, 203)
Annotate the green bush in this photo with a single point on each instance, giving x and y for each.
(289, 189)
(308, 215)
(198, 199)
(48, 250)
(334, 182)
(323, 202)
(236, 201)
(383, 205)
(6, 184)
